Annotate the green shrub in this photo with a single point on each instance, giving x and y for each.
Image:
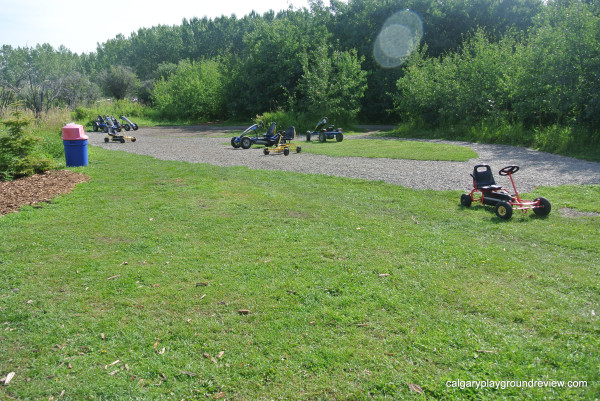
(568, 140)
(333, 84)
(194, 92)
(20, 152)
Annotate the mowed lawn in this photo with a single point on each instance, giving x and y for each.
(170, 280)
(393, 149)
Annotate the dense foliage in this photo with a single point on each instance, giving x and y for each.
(193, 92)
(552, 77)
(526, 63)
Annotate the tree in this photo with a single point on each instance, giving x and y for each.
(267, 74)
(560, 79)
(36, 75)
(78, 89)
(194, 92)
(332, 83)
(118, 81)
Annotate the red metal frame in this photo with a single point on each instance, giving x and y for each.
(516, 202)
(521, 204)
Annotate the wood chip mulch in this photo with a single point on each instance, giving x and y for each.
(36, 189)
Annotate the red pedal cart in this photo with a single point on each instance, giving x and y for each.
(487, 192)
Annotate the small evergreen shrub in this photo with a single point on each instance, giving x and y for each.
(20, 151)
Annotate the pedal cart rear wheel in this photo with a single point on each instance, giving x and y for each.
(543, 208)
(246, 143)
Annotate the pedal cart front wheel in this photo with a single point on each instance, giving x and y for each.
(466, 200)
(504, 210)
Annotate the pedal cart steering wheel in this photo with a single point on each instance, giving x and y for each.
(508, 170)
(487, 192)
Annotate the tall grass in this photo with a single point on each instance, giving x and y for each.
(86, 115)
(49, 128)
(583, 143)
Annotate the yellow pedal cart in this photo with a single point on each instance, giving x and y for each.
(284, 144)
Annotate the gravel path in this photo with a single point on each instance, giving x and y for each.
(209, 144)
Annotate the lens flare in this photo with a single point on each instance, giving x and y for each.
(399, 37)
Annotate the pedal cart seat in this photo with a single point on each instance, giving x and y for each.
(483, 178)
(487, 192)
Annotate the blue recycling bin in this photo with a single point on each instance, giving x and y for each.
(75, 141)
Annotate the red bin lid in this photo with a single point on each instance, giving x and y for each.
(73, 132)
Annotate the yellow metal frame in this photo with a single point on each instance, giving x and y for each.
(282, 145)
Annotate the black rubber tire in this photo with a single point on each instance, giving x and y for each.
(339, 137)
(235, 143)
(133, 139)
(298, 149)
(466, 200)
(286, 151)
(106, 139)
(135, 127)
(266, 151)
(308, 137)
(545, 210)
(322, 137)
(95, 126)
(504, 210)
(127, 127)
(105, 129)
(246, 143)
(122, 140)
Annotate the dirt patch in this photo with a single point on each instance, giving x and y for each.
(36, 189)
(568, 212)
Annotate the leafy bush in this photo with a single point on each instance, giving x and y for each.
(20, 152)
(546, 83)
(333, 84)
(471, 86)
(195, 91)
(119, 81)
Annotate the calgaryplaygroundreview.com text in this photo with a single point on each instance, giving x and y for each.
(504, 384)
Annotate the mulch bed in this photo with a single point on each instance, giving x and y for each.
(36, 189)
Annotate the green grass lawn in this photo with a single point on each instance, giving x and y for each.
(131, 287)
(392, 149)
